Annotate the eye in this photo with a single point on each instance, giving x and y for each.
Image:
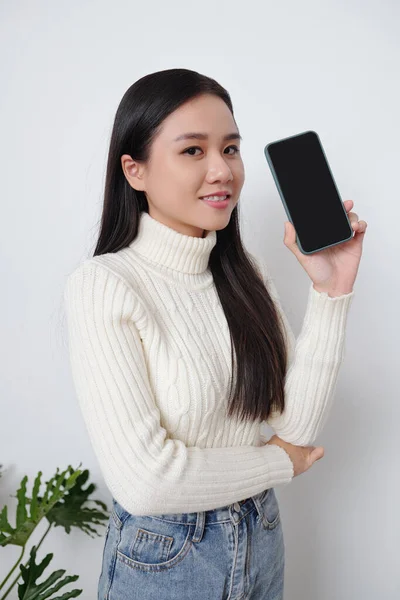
(198, 148)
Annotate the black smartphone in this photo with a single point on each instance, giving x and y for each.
(308, 192)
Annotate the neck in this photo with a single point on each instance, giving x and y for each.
(168, 249)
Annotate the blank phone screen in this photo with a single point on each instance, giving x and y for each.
(308, 190)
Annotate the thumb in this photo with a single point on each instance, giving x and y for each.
(290, 238)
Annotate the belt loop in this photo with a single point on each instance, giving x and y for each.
(257, 501)
(199, 530)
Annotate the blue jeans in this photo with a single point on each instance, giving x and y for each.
(235, 552)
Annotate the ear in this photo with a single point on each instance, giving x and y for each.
(133, 171)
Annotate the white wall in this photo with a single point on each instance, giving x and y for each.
(289, 66)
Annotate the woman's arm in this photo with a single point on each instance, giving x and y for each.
(315, 358)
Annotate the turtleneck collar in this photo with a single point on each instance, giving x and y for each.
(169, 248)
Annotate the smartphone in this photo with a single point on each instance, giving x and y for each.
(308, 192)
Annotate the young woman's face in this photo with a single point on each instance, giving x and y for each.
(180, 172)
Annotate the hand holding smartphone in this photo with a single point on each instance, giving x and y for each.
(308, 191)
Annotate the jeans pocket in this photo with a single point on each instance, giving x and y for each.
(153, 544)
(270, 513)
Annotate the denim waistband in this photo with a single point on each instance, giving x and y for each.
(215, 515)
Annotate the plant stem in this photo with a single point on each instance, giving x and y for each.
(18, 562)
(11, 572)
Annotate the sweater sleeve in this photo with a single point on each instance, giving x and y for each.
(315, 358)
(146, 471)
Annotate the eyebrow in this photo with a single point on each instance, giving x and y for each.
(204, 136)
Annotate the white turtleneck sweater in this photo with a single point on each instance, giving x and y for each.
(150, 356)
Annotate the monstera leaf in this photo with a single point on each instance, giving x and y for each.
(30, 590)
(61, 505)
(70, 512)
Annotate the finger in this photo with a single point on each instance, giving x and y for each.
(348, 204)
(317, 453)
(290, 238)
(290, 241)
(359, 226)
(353, 218)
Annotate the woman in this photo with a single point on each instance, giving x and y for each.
(180, 350)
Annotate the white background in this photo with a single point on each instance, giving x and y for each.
(289, 66)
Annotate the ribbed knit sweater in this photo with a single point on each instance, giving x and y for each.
(150, 357)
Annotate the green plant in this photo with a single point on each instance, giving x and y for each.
(62, 505)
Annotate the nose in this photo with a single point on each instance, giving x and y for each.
(219, 170)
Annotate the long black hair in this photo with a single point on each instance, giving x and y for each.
(259, 354)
